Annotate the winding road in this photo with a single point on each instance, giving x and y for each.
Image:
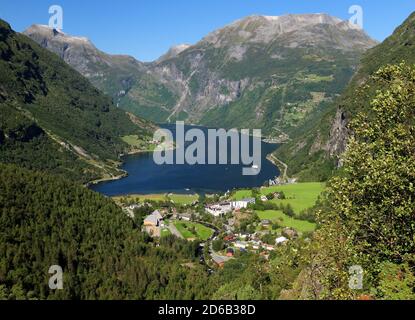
(279, 164)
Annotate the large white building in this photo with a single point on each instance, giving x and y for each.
(220, 209)
(242, 204)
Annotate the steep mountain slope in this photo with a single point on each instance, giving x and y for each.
(46, 220)
(116, 75)
(259, 72)
(173, 52)
(265, 72)
(49, 109)
(314, 151)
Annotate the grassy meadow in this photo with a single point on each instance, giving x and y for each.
(201, 232)
(301, 196)
(283, 220)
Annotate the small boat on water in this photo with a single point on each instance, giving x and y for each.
(256, 167)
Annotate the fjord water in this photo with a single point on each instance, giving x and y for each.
(146, 177)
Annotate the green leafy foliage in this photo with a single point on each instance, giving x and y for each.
(283, 95)
(58, 97)
(312, 152)
(368, 210)
(48, 221)
(50, 116)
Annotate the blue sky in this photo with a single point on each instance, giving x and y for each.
(146, 29)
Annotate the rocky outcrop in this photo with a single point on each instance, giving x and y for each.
(300, 30)
(339, 133)
(83, 56)
(173, 52)
(231, 68)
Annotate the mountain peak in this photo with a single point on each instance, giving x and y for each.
(304, 29)
(4, 25)
(301, 19)
(51, 33)
(5, 29)
(174, 51)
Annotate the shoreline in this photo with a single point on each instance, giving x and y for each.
(280, 165)
(108, 179)
(275, 161)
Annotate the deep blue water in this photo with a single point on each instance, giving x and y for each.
(146, 177)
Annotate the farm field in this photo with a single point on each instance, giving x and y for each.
(183, 199)
(301, 196)
(201, 232)
(136, 142)
(286, 221)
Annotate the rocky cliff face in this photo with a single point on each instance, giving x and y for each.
(295, 30)
(315, 152)
(255, 52)
(173, 52)
(339, 133)
(255, 66)
(83, 56)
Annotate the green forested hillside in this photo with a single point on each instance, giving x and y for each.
(24, 143)
(55, 126)
(47, 221)
(314, 150)
(367, 213)
(51, 115)
(292, 89)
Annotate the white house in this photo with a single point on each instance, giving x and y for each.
(185, 217)
(281, 240)
(264, 198)
(219, 209)
(240, 245)
(242, 204)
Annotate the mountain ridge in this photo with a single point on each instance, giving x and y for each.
(233, 70)
(52, 118)
(314, 154)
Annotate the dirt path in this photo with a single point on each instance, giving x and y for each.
(174, 231)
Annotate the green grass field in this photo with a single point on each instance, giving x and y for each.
(202, 233)
(132, 140)
(136, 142)
(134, 197)
(300, 195)
(241, 194)
(183, 199)
(286, 221)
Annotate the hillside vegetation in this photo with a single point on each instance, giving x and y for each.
(313, 153)
(51, 115)
(368, 210)
(46, 220)
(258, 72)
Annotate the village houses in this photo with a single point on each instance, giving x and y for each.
(223, 208)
